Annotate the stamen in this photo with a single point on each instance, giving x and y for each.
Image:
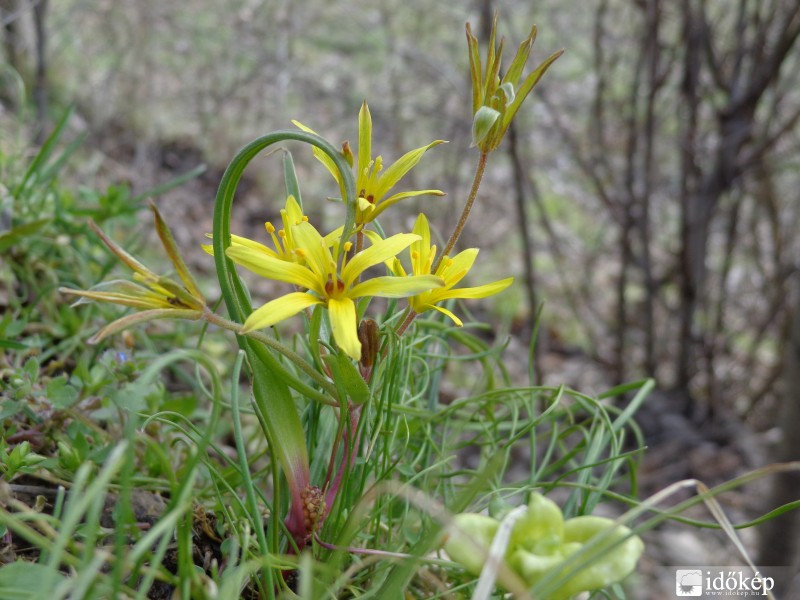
(270, 227)
(348, 246)
(332, 288)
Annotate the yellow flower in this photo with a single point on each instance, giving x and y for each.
(282, 239)
(373, 184)
(450, 270)
(334, 287)
(159, 297)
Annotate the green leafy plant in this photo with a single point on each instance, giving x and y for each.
(376, 426)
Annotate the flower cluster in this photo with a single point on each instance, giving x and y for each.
(327, 275)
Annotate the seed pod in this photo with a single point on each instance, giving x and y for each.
(370, 339)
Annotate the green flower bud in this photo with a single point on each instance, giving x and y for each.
(468, 531)
(541, 529)
(482, 124)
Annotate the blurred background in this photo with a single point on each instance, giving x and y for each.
(647, 196)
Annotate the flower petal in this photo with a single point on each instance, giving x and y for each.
(274, 268)
(421, 249)
(364, 141)
(399, 168)
(293, 211)
(142, 317)
(333, 237)
(345, 329)
(395, 198)
(454, 269)
(319, 154)
(315, 250)
(481, 291)
(444, 311)
(121, 291)
(396, 287)
(171, 248)
(279, 309)
(237, 240)
(379, 252)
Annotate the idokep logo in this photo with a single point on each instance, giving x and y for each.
(707, 582)
(689, 582)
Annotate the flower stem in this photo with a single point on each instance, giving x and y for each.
(406, 322)
(359, 241)
(462, 221)
(298, 360)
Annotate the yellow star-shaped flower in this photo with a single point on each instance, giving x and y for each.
(373, 183)
(450, 270)
(327, 284)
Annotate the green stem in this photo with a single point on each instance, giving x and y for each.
(231, 286)
(303, 365)
(406, 322)
(462, 221)
(244, 466)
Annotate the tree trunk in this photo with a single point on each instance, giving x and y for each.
(780, 537)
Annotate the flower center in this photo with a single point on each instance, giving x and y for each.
(368, 197)
(334, 289)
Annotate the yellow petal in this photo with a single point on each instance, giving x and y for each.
(377, 253)
(454, 269)
(333, 237)
(481, 291)
(344, 326)
(319, 154)
(402, 166)
(422, 247)
(294, 214)
(279, 309)
(385, 203)
(395, 287)
(444, 311)
(364, 140)
(315, 250)
(237, 240)
(274, 268)
(396, 267)
(366, 208)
